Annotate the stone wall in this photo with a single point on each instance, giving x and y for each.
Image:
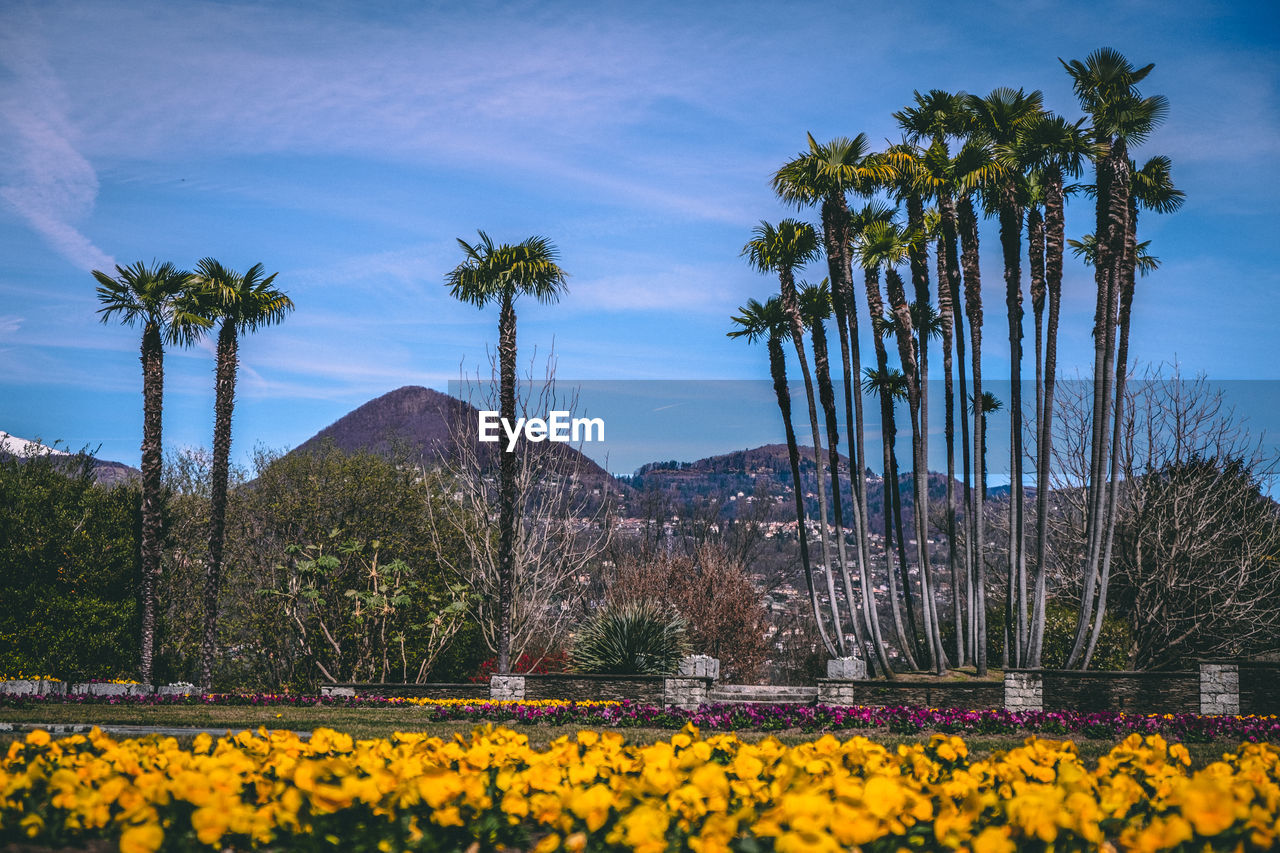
(646, 689)
(1130, 692)
(479, 692)
(975, 695)
(1023, 691)
(1259, 688)
(1219, 688)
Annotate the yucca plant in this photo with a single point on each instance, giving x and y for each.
(640, 638)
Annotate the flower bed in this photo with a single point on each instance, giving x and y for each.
(593, 792)
(743, 717)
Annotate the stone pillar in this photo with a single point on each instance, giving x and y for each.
(685, 692)
(1023, 690)
(836, 692)
(700, 666)
(851, 668)
(1219, 688)
(334, 691)
(506, 688)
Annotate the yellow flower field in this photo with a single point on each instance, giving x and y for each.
(273, 790)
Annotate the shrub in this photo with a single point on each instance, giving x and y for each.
(631, 639)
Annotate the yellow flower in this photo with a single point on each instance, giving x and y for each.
(993, 839)
(146, 838)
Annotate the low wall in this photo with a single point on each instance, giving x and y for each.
(1177, 692)
(645, 689)
(975, 695)
(479, 692)
(1259, 688)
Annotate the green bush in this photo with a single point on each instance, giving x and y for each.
(632, 639)
(70, 573)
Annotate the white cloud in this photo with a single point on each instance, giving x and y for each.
(48, 182)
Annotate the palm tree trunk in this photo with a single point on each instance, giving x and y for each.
(152, 466)
(506, 480)
(1113, 206)
(1053, 234)
(1011, 244)
(839, 265)
(875, 307)
(224, 403)
(826, 394)
(949, 433)
(792, 306)
(906, 352)
(946, 206)
(893, 522)
(968, 223)
(778, 370)
(1127, 269)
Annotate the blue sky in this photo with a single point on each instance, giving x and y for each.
(347, 145)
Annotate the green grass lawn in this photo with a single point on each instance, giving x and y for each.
(381, 722)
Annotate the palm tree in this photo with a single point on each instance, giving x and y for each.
(1053, 148)
(157, 298)
(939, 116)
(770, 322)
(824, 175)
(884, 244)
(782, 250)
(998, 118)
(890, 387)
(815, 310)
(1152, 188)
(1106, 84)
(500, 273)
(242, 304)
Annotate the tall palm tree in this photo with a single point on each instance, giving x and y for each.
(157, 298)
(885, 245)
(890, 387)
(500, 273)
(1106, 84)
(1053, 148)
(768, 321)
(240, 304)
(824, 175)
(998, 118)
(815, 310)
(1151, 188)
(781, 250)
(940, 116)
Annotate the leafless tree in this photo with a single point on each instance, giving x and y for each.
(1193, 564)
(563, 517)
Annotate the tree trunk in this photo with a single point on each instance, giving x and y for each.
(506, 480)
(946, 207)
(968, 223)
(826, 395)
(949, 434)
(1126, 266)
(906, 352)
(1053, 235)
(1113, 206)
(892, 523)
(1011, 244)
(224, 403)
(875, 307)
(152, 490)
(791, 305)
(835, 217)
(778, 369)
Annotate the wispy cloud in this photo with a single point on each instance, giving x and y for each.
(48, 182)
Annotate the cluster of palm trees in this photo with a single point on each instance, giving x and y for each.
(175, 307)
(1005, 157)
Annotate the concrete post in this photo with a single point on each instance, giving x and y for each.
(700, 666)
(851, 668)
(1023, 690)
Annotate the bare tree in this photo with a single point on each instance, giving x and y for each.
(563, 518)
(1196, 535)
